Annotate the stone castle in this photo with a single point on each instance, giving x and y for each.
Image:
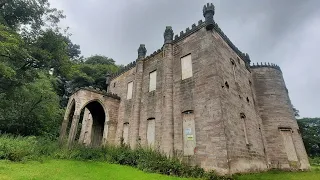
(197, 98)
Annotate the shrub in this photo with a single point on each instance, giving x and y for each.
(315, 161)
(34, 148)
(16, 148)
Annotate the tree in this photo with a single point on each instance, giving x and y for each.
(296, 112)
(31, 109)
(98, 59)
(35, 13)
(15, 60)
(310, 130)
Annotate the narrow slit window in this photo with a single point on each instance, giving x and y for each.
(129, 90)
(152, 81)
(243, 118)
(186, 67)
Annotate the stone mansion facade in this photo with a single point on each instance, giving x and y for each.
(197, 98)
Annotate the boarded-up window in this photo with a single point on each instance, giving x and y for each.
(189, 135)
(152, 81)
(288, 144)
(125, 133)
(129, 90)
(186, 67)
(151, 132)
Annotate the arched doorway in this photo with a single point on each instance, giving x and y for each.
(92, 124)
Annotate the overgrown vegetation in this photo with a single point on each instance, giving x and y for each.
(39, 68)
(39, 148)
(310, 131)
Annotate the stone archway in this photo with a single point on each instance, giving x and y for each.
(93, 124)
(90, 123)
(67, 120)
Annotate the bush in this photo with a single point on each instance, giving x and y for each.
(315, 161)
(16, 148)
(32, 148)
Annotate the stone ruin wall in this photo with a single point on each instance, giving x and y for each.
(227, 105)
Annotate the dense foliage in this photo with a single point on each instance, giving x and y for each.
(310, 130)
(39, 68)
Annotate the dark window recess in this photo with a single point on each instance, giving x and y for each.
(232, 61)
(114, 84)
(250, 82)
(226, 84)
(248, 100)
(238, 60)
(242, 116)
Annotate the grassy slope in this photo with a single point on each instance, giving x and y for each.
(311, 175)
(68, 169)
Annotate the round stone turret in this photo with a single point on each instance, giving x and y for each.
(208, 12)
(168, 35)
(142, 51)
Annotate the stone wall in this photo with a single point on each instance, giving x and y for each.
(81, 98)
(277, 115)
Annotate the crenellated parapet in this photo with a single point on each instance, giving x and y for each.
(189, 31)
(154, 54)
(123, 70)
(194, 28)
(97, 90)
(270, 65)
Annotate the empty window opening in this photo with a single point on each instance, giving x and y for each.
(114, 84)
(186, 67)
(243, 118)
(226, 84)
(250, 83)
(248, 100)
(151, 130)
(129, 90)
(233, 68)
(189, 136)
(232, 62)
(152, 81)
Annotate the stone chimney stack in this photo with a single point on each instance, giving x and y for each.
(168, 35)
(208, 12)
(142, 51)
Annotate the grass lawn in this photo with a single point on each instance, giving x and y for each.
(75, 170)
(70, 169)
(314, 174)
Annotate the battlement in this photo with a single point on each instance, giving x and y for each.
(97, 90)
(270, 65)
(123, 70)
(208, 12)
(188, 31)
(153, 54)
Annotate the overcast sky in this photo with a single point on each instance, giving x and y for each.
(285, 32)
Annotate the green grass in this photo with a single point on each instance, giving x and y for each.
(70, 169)
(83, 170)
(314, 174)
